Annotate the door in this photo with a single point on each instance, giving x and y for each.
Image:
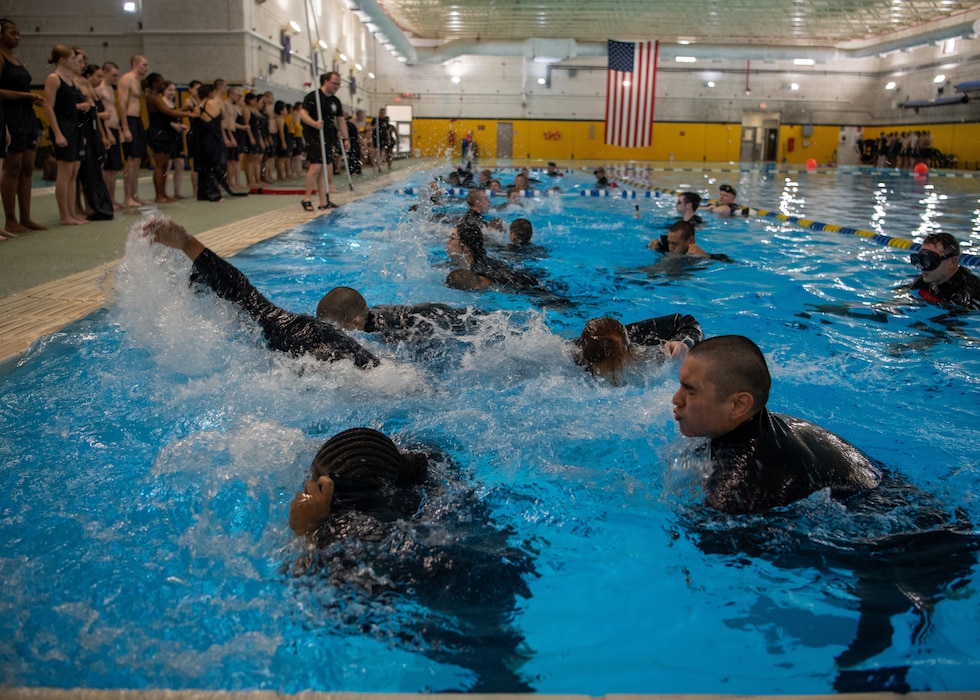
(505, 139)
(771, 145)
(746, 153)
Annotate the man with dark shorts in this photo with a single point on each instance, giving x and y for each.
(942, 280)
(328, 119)
(113, 155)
(131, 125)
(296, 334)
(760, 460)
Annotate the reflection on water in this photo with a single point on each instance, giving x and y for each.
(149, 452)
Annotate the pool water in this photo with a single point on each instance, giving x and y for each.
(148, 454)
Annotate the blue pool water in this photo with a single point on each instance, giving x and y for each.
(148, 454)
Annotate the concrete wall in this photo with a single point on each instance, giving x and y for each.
(242, 41)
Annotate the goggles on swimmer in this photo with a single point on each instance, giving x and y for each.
(927, 261)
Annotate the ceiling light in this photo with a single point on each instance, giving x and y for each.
(939, 78)
(794, 86)
(455, 79)
(371, 76)
(890, 85)
(343, 57)
(402, 59)
(129, 7)
(294, 25)
(803, 61)
(358, 66)
(685, 59)
(541, 81)
(711, 83)
(323, 44)
(683, 42)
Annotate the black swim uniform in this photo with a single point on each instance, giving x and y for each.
(297, 334)
(404, 322)
(772, 460)
(683, 328)
(962, 289)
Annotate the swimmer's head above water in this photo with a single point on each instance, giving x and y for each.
(724, 381)
(344, 307)
(358, 459)
(604, 347)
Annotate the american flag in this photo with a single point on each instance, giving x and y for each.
(630, 84)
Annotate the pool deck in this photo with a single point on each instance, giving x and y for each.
(50, 278)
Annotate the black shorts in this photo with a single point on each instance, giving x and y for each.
(313, 152)
(22, 125)
(233, 153)
(73, 151)
(161, 141)
(113, 154)
(137, 147)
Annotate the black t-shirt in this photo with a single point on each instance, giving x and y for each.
(962, 289)
(330, 107)
(297, 334)
(772, 460)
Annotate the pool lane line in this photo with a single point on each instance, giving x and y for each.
(966, 259)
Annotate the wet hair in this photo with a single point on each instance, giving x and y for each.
(90, 69)
(604, 345)
(59, 52)
(685, 228)
(250, 97)
(204, 92)
(471, 237)
(370, 457)
(341, 305)
(735, 364)
(279, 107)
(465, 279)
(945, 241)
(692, 198)
(474, 195)
(521, 230)
(194, 84)
(727, 188)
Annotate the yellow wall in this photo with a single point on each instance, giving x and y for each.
(686, 141)
(565, 140)
(821, 145)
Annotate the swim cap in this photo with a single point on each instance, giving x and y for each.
(370, 457)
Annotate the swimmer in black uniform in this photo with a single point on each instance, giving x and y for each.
(606, 346)
(943, 281)
(297, 334)
(762, 460)
(348, 310)
(726, 206)
(680, 240)
(376, 521)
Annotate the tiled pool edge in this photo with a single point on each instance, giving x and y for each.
(92, 694)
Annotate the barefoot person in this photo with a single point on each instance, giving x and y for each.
(131, 124)
(22, 128)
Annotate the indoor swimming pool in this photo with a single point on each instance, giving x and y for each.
(149, 452)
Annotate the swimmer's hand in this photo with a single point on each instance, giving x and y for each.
(675, 349)
(167, 232)
(311, 506)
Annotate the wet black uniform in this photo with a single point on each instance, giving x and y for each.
(772, 460)
(418, 321)
(297, 334)
(962, 289)
(658, 330)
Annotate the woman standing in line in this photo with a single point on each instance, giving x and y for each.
(63, 103)
(22, 125)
